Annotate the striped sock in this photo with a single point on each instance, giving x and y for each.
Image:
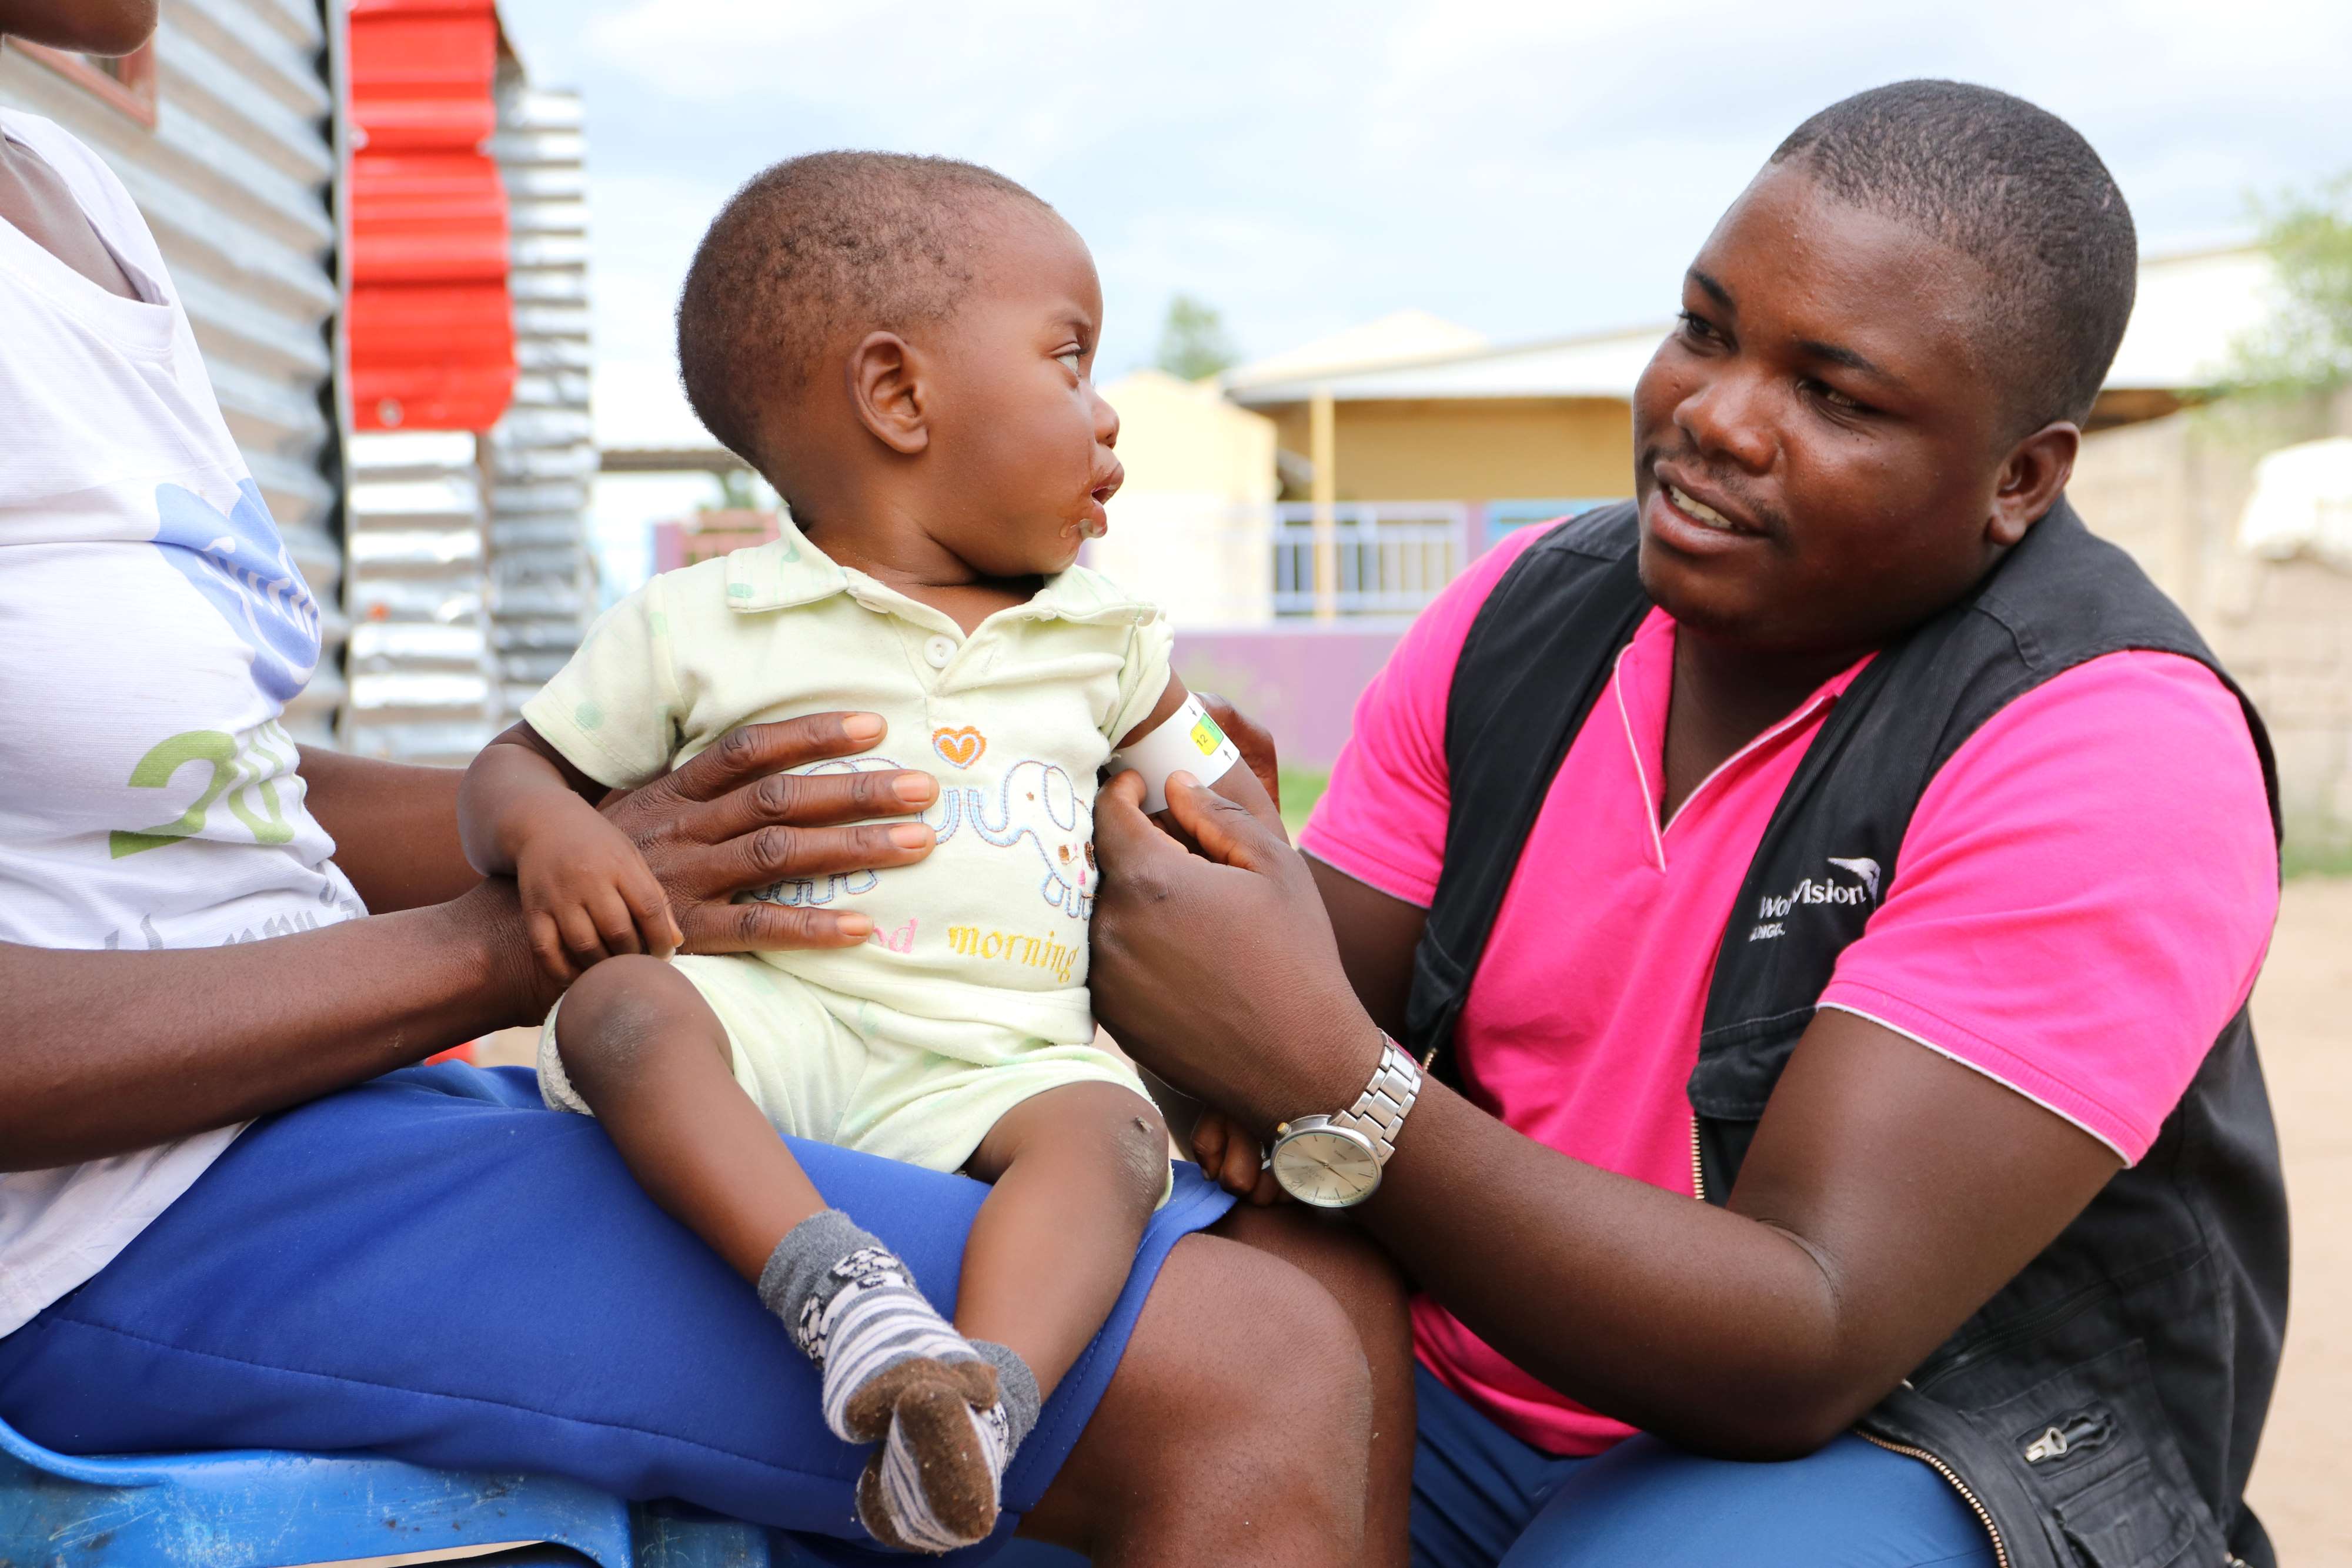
(853, 1308)
(937, 1482)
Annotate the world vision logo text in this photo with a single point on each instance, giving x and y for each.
(1772, 911)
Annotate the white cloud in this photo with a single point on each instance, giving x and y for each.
(925, 64)
(1528, 168)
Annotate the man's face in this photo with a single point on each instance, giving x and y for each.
(1818, 445)
(85, 26)
(1026, 439)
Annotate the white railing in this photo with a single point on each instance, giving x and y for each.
(1391, 557)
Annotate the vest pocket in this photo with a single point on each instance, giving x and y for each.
(2094, 1449)
(2126, 1520)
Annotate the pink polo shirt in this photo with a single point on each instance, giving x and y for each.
(2083, 897)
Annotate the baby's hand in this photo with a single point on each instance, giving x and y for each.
(1229, 1157)
(587, 896)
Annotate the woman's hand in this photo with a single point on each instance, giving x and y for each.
(732, 819)
(1218, 971)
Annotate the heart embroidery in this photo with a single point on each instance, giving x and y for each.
(960, 746)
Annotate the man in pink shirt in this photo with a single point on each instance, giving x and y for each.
(1839, 834)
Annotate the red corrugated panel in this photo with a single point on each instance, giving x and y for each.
(432, 328)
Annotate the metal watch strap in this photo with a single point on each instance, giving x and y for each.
(1380, 1111)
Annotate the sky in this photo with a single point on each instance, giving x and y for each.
(1530, 170)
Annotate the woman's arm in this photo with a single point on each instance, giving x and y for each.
(110, 1051)
(1887, 1193)
(395, 827)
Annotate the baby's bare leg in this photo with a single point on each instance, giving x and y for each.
(1076, 1173)
(643, 1049)
(650, 1058)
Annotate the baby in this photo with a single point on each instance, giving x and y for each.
(903, 346)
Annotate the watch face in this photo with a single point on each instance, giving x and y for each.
(1326, 1167)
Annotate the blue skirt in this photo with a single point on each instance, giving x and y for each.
(435, 1267)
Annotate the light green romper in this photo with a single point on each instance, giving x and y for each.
(971, 995)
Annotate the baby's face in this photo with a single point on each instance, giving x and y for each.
(1026, 441)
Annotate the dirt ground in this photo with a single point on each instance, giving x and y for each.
(2302, 1016)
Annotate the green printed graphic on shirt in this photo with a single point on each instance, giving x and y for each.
(245, 771)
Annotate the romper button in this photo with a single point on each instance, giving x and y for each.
(939, 651)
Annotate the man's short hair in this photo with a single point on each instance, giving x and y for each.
(2013, 187)
(810, 248)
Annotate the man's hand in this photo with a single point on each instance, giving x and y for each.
(732, 819)
(1252, 740)
(1218, 970)
(1227, 1152)
(1235, 1161)
(587, 895)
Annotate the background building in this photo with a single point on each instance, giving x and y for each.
(1195, 516)
(543, 585)
(470, 363)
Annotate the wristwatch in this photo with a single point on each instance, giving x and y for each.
(1334, 1162)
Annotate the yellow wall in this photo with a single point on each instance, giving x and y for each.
(1181, 437)
(1192, 527)
(1476, 449)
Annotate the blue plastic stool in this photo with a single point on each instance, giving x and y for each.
(258, 1509)
(254, 1508)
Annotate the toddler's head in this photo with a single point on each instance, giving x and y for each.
(905, 345)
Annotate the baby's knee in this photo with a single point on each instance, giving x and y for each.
(620, 1012)
(1111, 1131)
(1133, 1140)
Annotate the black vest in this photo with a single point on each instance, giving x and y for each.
(2146, 1336)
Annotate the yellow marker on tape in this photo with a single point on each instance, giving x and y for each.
(1186, 741)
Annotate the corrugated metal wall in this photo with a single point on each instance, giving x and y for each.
(421, 687)
(235, 179)
(542, 454)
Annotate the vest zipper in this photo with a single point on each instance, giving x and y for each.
(1698, 1166)
(1984, 1516)
(2085, 1429)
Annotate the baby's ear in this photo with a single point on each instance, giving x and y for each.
(887, 387)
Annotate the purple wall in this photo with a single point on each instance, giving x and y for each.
(1300, 679)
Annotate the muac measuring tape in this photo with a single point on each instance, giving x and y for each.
(1186, 741)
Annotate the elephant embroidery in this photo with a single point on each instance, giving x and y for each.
(1036, 801)
(795, 892)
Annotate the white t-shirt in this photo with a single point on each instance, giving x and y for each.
(151, 628)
